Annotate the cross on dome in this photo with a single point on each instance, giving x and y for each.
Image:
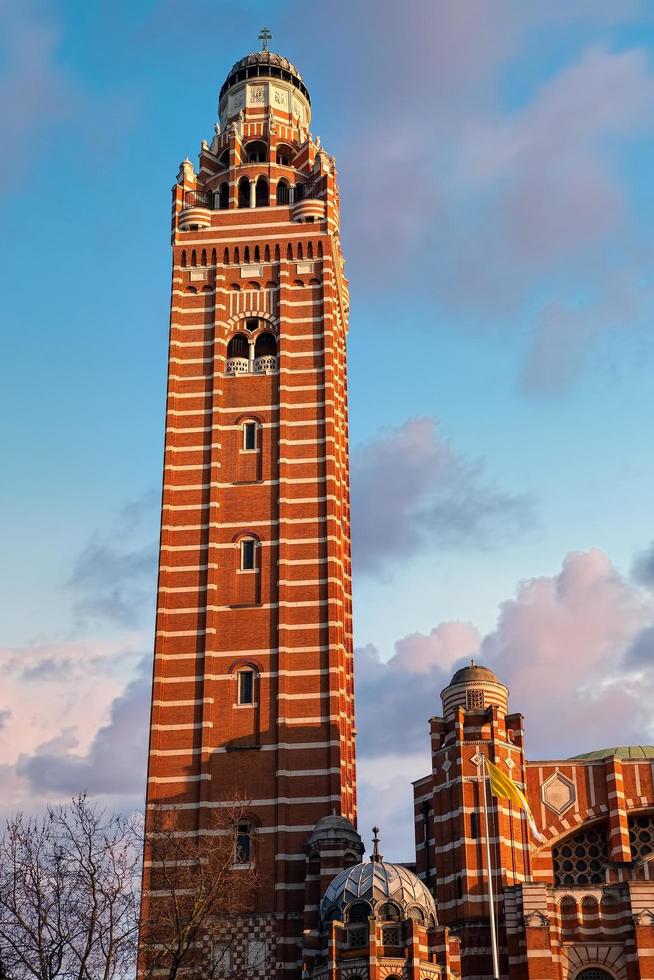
(264, 37)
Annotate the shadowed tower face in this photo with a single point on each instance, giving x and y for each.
(253, 688)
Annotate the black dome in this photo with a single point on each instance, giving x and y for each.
(265, 64)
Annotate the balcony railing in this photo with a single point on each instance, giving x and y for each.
(237, 365)
(198, 199)
(260, 365)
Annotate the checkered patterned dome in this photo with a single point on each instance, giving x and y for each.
(378, 884)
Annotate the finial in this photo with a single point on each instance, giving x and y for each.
(264, 37)
(472, 662)
(376, 856)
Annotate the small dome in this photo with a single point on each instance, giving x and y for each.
(621, 751)
(335, 827)
(265, 64)
(474, 673)
(378, 883)
(474, 687)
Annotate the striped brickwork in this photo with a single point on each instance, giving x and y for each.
(289, 755)
(582, 897)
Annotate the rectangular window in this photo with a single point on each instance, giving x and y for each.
(246, 687)
(243, 844)
(250, 435)
(474, 825)
(247, 555)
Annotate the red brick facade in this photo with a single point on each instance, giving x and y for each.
(581, 899)
(254, 575)
(253, 682)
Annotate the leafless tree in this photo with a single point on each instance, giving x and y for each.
(196, 885)
(69, 895)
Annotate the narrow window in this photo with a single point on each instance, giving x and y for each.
(243, 844)
(474, 825)
(246, 687)
(250, 435)
(247, 555)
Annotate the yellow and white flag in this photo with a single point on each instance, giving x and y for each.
(502, 785)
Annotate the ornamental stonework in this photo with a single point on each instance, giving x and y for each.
(558, 793)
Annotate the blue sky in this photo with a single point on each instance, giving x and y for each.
(495, 164)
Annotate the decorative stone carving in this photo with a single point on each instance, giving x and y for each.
(264, 364)
(558, 793)
(536, 920)
(477, 759)
(237, 365)
(257, 95)
(644, 918)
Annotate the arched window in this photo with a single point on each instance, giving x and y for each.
(248, 558)
(265, 345)
(226, 257)
(244, 193)
(261, 194)
(582, 858)
(359, 912)
(319, 250)
(223, 196)
(250, 435)
(310, 250)
(214, 257)
(283, 195)
(589, 912)
(300, 253)
(246, 255)
(184, 259)
(289, 251)
(238, 346)
(256, 151)
(299, 192)
(194, 258)
(277, 253)
(203, 260)
(416, 914)
(245, 681)
(266, 254)
(223, 160)
(257, 254)
(283, 156)
(236, 256)
(389, 912)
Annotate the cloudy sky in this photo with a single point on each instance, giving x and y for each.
(495, 161)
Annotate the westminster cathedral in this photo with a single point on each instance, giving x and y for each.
(253, 694)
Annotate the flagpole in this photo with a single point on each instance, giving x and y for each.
(489, 870)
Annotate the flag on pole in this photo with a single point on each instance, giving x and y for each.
(502, 785)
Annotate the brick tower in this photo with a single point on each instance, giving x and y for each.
(253, 687)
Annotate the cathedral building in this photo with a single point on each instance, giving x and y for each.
(253, 699)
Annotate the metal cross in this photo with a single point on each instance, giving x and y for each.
(264, 37)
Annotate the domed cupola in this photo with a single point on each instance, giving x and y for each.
(376, 888)
(265, 80)
(474, 688)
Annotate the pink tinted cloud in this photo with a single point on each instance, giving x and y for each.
(576, 650)
(55, 698)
